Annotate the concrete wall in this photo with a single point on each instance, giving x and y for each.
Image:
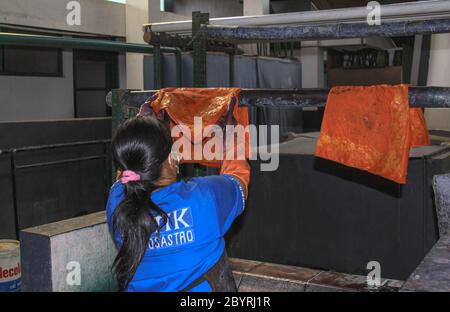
(439, 67)
(25, 98)
(155, 15)
(183, 9)
(312, 67)
(136, 16)
(55, 254)
(97, 16)
(215, 8)
(254, 7)
(38, 98)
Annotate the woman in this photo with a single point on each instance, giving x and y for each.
(170, 234)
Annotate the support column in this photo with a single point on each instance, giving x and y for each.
(312, 67)
(254, 7)
(136, 16)
(438, 69)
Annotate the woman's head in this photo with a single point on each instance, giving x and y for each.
(141, 146)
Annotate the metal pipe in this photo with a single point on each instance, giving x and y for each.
(14, 193)
(15, 167)
(60, 162)
(52, 146)
(179, 74)
(237, 34)
(78, 43)
(87, 44)
(157, 68)
(421, 10)
(231, 70)
(199, 46)
(431, 97)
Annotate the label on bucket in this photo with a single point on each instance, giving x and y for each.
(10, 270)
(10, 278)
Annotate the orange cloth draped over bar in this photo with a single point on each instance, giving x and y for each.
(419, 130)
(213, 105)
(371, 128)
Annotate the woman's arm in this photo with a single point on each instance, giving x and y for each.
(239, 169)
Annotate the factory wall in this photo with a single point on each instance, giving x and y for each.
(97, 16)
(136, 16)
(38, 98)
(216, 8)
(25, 98)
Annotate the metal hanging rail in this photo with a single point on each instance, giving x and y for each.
(15, 168)
(91, 44)
(239, 34)
(430, 97)
(421, 10)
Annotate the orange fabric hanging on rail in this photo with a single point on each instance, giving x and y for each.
(372, 129)
(215, 106)
(419, 131)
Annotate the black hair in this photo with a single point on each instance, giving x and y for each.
(140, 144)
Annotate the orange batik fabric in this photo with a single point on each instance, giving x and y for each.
(216, 106)
(371, 128)
(419, 130)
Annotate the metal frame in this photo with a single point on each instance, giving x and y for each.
(423, 17)
(15, 167)
(111, 72)
(292, 33)
(91, 44)
(57, 74)
(411, 11)
(250, 34)
(126, 103)
(399, 19)
(199, 47)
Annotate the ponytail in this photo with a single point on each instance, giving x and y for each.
(141, 145)
(135, 220)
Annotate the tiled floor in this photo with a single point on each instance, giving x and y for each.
(433, 273)
(268, 277)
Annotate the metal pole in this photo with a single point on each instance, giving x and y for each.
(15, 167)
(88, 44)
(199, 48)
(58, 145)
(231, 69)
(179, 74)
(251, 34)
(78, 43)
(420, 10)
(105, 170)
(157, 68)
(14, 193)
(60, 162)
(432, 97)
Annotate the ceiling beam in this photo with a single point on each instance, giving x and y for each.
(322, 4)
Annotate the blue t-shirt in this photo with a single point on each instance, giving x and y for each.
(200, 213)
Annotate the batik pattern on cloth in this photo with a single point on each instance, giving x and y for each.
(372, 129)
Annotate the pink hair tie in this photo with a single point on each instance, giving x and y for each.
(128, 176)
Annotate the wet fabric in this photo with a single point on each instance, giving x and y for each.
(216, 106)
(371, 128)
(419, 131)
